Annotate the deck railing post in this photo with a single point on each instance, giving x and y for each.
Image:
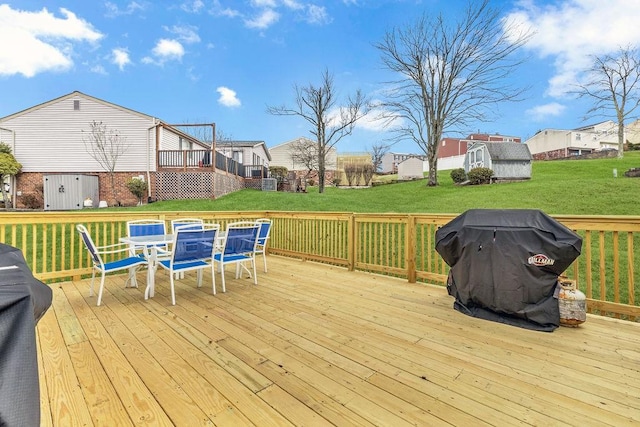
(351, 243)
(410, 248)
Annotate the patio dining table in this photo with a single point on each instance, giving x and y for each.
(150, 243)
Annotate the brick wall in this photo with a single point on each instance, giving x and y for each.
(30, 185)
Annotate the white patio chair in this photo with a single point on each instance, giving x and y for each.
(147, 227)
(195, 223)
(192, 249)
(97, 252)
(263, 239)
(239, 247)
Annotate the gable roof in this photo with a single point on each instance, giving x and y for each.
(293, 141)
(507, 150)
(71, 95)
(247, 144)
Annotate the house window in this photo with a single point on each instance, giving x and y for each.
(237, 156)
(76, 104)
(578, 137)
(479, 156)
(472, 157)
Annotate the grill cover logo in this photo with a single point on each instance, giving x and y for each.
(540, 260)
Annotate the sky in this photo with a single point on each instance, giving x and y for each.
(227, 61)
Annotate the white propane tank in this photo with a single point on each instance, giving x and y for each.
(572, 303)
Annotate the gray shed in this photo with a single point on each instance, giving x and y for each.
(68, 192)
(508, 160)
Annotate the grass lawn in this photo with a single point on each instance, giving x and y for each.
(574, 187)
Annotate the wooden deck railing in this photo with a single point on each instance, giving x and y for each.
(402, 245)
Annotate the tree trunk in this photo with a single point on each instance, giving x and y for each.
(620, 138)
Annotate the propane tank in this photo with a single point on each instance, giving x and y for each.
(572, 303)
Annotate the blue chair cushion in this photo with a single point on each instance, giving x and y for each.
(183, 265)
(124, 263)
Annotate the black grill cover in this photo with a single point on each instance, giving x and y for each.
(23, 301)
(505, 264)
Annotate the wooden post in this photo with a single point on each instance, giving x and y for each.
(410, 240)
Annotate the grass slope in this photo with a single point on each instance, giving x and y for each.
(575, 187)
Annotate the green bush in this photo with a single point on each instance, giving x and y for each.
(278, 172)
(458, 175)
(138, 187)
(480, 176)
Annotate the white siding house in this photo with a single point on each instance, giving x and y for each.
(254, 155)
(52, 137)
(391, 160)
(560, 143)
(281, 155)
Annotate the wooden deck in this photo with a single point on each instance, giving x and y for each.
(317, 345)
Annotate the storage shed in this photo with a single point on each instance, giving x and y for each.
(411, 168)
(508, 160)
(68, 192)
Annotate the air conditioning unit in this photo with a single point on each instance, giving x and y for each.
(269, 184)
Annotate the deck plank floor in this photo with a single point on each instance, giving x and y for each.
(317, 345)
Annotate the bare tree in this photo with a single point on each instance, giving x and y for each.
(367, 172)
(317, 105)
(377, 151)
(106, 146)
(305, 152)
(613, 84)
(350, 173)
(452, 75)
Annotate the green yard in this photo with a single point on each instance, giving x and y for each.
(577, 187)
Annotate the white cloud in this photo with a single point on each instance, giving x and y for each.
(194, 6)
(185, 33)
(228, 97)
(35, 42)
(317, 15)
(264, 20)
(263, 3)
(99, 69)
(542, 112)
(293, 4)
(165, 50)
(218, 10)
(113, 10)
(570, 31)
(120, 57)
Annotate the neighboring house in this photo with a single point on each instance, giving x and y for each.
(391, 160)
(282, 155)
(452, 151)
(632, 132)
(561, 143)
(412, 168)
(508, 160)
(49, 138)
(254, 155)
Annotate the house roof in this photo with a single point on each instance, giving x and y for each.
(71, 95)
(76, 93)
(293, 141)
(507, 150)
(248, 144)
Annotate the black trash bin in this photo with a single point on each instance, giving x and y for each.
(23, 301)
(505, 265)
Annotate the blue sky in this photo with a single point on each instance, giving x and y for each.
(225, 61)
